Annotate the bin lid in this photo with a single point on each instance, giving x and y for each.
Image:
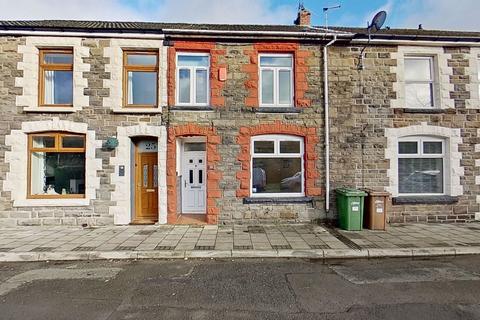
(376, 193)
(351, 192)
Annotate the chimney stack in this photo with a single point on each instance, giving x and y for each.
(303, 18)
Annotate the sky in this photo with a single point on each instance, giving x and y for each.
(432, 14)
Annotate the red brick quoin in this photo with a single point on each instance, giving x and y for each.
(216, 86)
(310, 157)
(213, 176)
(300, 70)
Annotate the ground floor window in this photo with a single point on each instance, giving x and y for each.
(421, 165)
(56, 165)
(277, 165)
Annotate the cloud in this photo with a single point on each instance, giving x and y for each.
(62, 9)
(204, 11)
(441, 14)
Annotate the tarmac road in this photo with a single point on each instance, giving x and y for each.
(442, 288)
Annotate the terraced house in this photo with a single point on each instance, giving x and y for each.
(124, 122)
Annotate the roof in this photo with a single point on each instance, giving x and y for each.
(412, 34)
(159, 27)
(152, 27)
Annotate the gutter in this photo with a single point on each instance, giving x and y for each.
(439, 43)
(81, 34)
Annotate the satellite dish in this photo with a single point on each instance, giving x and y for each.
(377, 21)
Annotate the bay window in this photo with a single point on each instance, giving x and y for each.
(192, 74)
(277, 165)
(419, 82)
(56, 77)
(56, 165)
(276, 80)
(140, 78)
(421, 166)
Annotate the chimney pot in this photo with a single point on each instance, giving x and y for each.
(303, 17)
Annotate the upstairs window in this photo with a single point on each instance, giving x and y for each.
(276, 80)
(57, 165)
(56, 77)
(277, 166)
(419, 82)
(421, 162)
(193, 71)
(140, 78)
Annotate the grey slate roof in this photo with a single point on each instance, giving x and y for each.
(158, 27)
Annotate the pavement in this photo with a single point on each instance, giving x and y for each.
(433, 288)
(58, 243)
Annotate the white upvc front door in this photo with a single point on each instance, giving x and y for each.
(194, 182)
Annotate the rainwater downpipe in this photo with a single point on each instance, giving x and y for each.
(327, 123)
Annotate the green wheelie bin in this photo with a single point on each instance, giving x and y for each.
(350, 208)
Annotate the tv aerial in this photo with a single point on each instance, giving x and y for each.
(372, 27)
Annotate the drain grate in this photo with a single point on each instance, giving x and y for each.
(342, 238)
(242, 247)
(255, 229)
(126, 248)
(42, 249)
(204, 247)
(319, 246)
(406, 245)
(145, 232)
(84, 249)
(281, 246)
(164, 247)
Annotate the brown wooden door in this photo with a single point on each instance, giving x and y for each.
(146, 195)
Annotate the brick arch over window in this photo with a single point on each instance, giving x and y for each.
(310, 158)
(213, 175)
(217, 98)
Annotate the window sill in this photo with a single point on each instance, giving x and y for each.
(277, 110)
(279, 200)
(191, 108)
(425, 111)
(424, 200)
(52, 203)
(138, 110)
(50, 109)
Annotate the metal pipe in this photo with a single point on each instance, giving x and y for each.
(327, 123)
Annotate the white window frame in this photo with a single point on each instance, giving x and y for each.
(276, 71)
(420, 154)
(432, 81)
(193, 76)
(277, 138)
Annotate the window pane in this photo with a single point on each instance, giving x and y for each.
(58, 87)
(43, 142)
(155, 176)
(184, 86)
(200, 176)
(408, 147)
(420, 175)
(192, 61)
(285, 95)
(277, 175)
(145, 175)
(273, 61)
(142, 88)
(73, 142)
(57, 173)
(194, 146)
(58, 58)
(263, 147)
(417, 69)
(142, 59)
(419, 95)
(289, 146)
(432, 147)
(201, 86)
(267, 87)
